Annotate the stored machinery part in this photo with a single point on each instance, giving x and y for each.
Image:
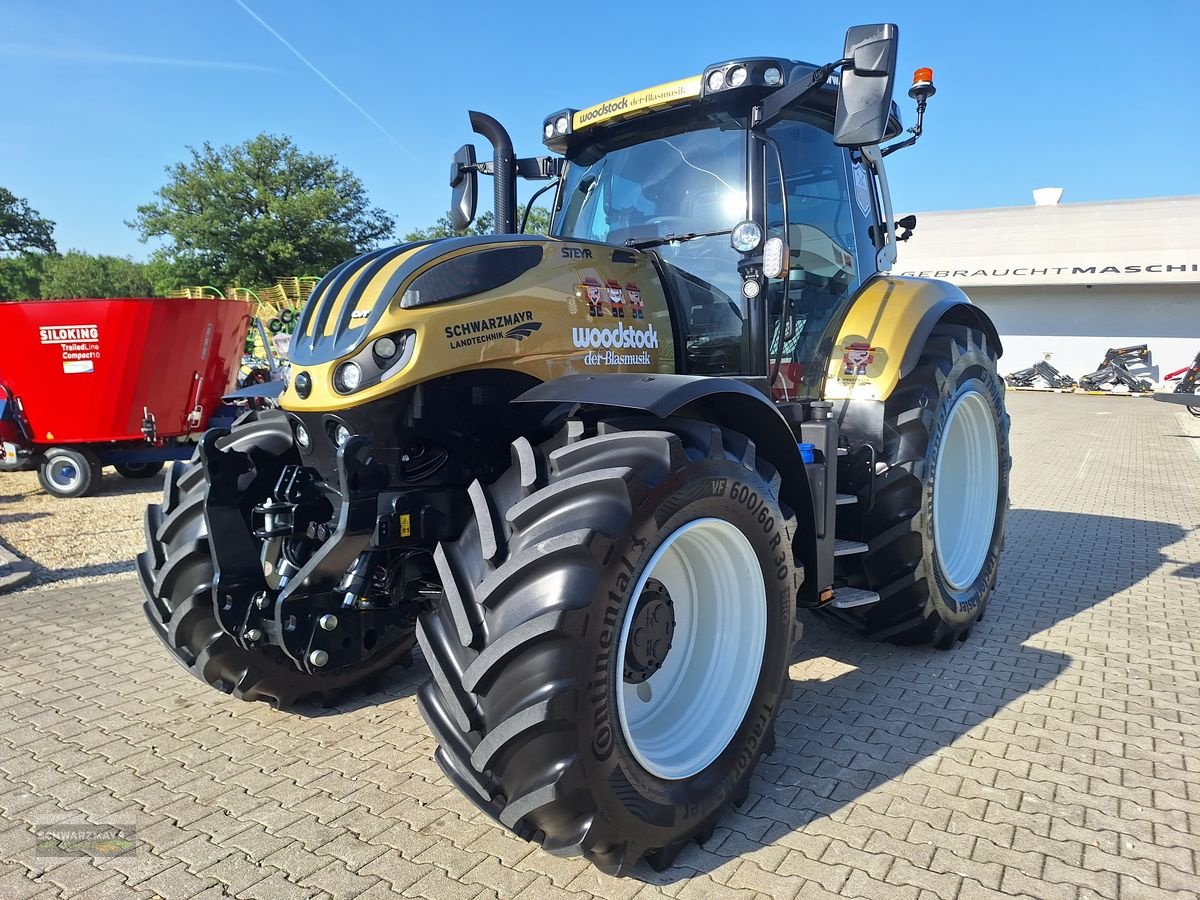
(596, 473)
(1187, 391)
(1041, 369)
(1114, 370)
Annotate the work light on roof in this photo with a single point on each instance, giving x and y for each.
(716, 80)
(548, 131)
(737, 76)
(560, 125)
(772, 75)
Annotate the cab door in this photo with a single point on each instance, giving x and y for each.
(830, 210)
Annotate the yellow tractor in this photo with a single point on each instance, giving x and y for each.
(595, 474)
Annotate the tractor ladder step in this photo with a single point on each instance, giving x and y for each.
(848, 548)
(846, 499)
(848, 598)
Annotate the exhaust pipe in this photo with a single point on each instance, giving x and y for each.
(503, 169)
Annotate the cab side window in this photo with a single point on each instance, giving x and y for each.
(823, 244)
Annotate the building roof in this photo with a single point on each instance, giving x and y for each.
(1150, 241)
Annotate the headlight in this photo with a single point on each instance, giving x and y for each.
(348, 377)
(745, 236)
(303, 385)
(548, 131)
(772, 76)
(716, 80)
(774, 257)
(341, 434)
(303, 438)
(561, 125)
(737, 76)
(385, 348)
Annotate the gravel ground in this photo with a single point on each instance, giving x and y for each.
(79, 541)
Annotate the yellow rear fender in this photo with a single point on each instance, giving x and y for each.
(884, 332)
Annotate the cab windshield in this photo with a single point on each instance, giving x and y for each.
(690, 184)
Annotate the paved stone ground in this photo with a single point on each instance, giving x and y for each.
(1055, 755)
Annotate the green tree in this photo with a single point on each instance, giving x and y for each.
(82, 275)
(249, 213)
(539, 223)
(21, 276)
(21, 228)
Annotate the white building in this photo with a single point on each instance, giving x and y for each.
(1064, 282)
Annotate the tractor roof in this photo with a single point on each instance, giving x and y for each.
(738, 82)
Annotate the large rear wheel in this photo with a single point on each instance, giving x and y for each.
(936, 528)
(612, 646)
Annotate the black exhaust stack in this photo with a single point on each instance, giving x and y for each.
(503, 169)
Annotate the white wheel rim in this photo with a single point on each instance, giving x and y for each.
(966, 480)
(64, 473)
(700, 696)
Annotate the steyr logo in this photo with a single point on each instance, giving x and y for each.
(576, 253)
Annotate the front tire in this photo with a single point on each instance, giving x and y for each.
(936, 529)
(176, 572)
(613, 643)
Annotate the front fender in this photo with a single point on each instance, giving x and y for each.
(722, 401)
(882, 336)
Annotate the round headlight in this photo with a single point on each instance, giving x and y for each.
(303, 438)
(737, 76)
(385, 348)
(750, 289)
(773, 75)
(745, 236)
(716, 80)
(548, 130)
(348, 377)
(303, 384)
(341, 434)
(560, 124)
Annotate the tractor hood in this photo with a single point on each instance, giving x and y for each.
(349, 302)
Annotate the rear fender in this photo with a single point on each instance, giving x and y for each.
(724, 402)
(885, 330)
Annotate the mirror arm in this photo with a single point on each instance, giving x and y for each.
(915, 131)
(774, 106)
(885, 257)
(540, 168)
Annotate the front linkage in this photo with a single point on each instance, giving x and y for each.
(326, 573)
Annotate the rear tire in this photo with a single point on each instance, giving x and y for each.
(138, 470)
(66, 473)
(948, 462)
(176, 573)
(551, 624)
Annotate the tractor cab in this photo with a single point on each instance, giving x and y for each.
(752, 186)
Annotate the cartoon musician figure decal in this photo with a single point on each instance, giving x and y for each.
(595, 298)
(637, 309)
(616, 300)
(857, 358)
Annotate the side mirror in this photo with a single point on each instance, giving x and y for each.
(464, 181)
(865, 96)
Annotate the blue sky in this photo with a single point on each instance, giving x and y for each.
(1097, 97)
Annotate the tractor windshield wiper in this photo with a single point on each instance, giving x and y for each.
(672, 239)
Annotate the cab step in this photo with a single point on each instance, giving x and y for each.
(849, 598)
(846, 499)
(848, 548)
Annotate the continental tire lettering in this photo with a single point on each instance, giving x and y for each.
(749, 498)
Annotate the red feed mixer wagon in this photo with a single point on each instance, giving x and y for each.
(120, 382)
